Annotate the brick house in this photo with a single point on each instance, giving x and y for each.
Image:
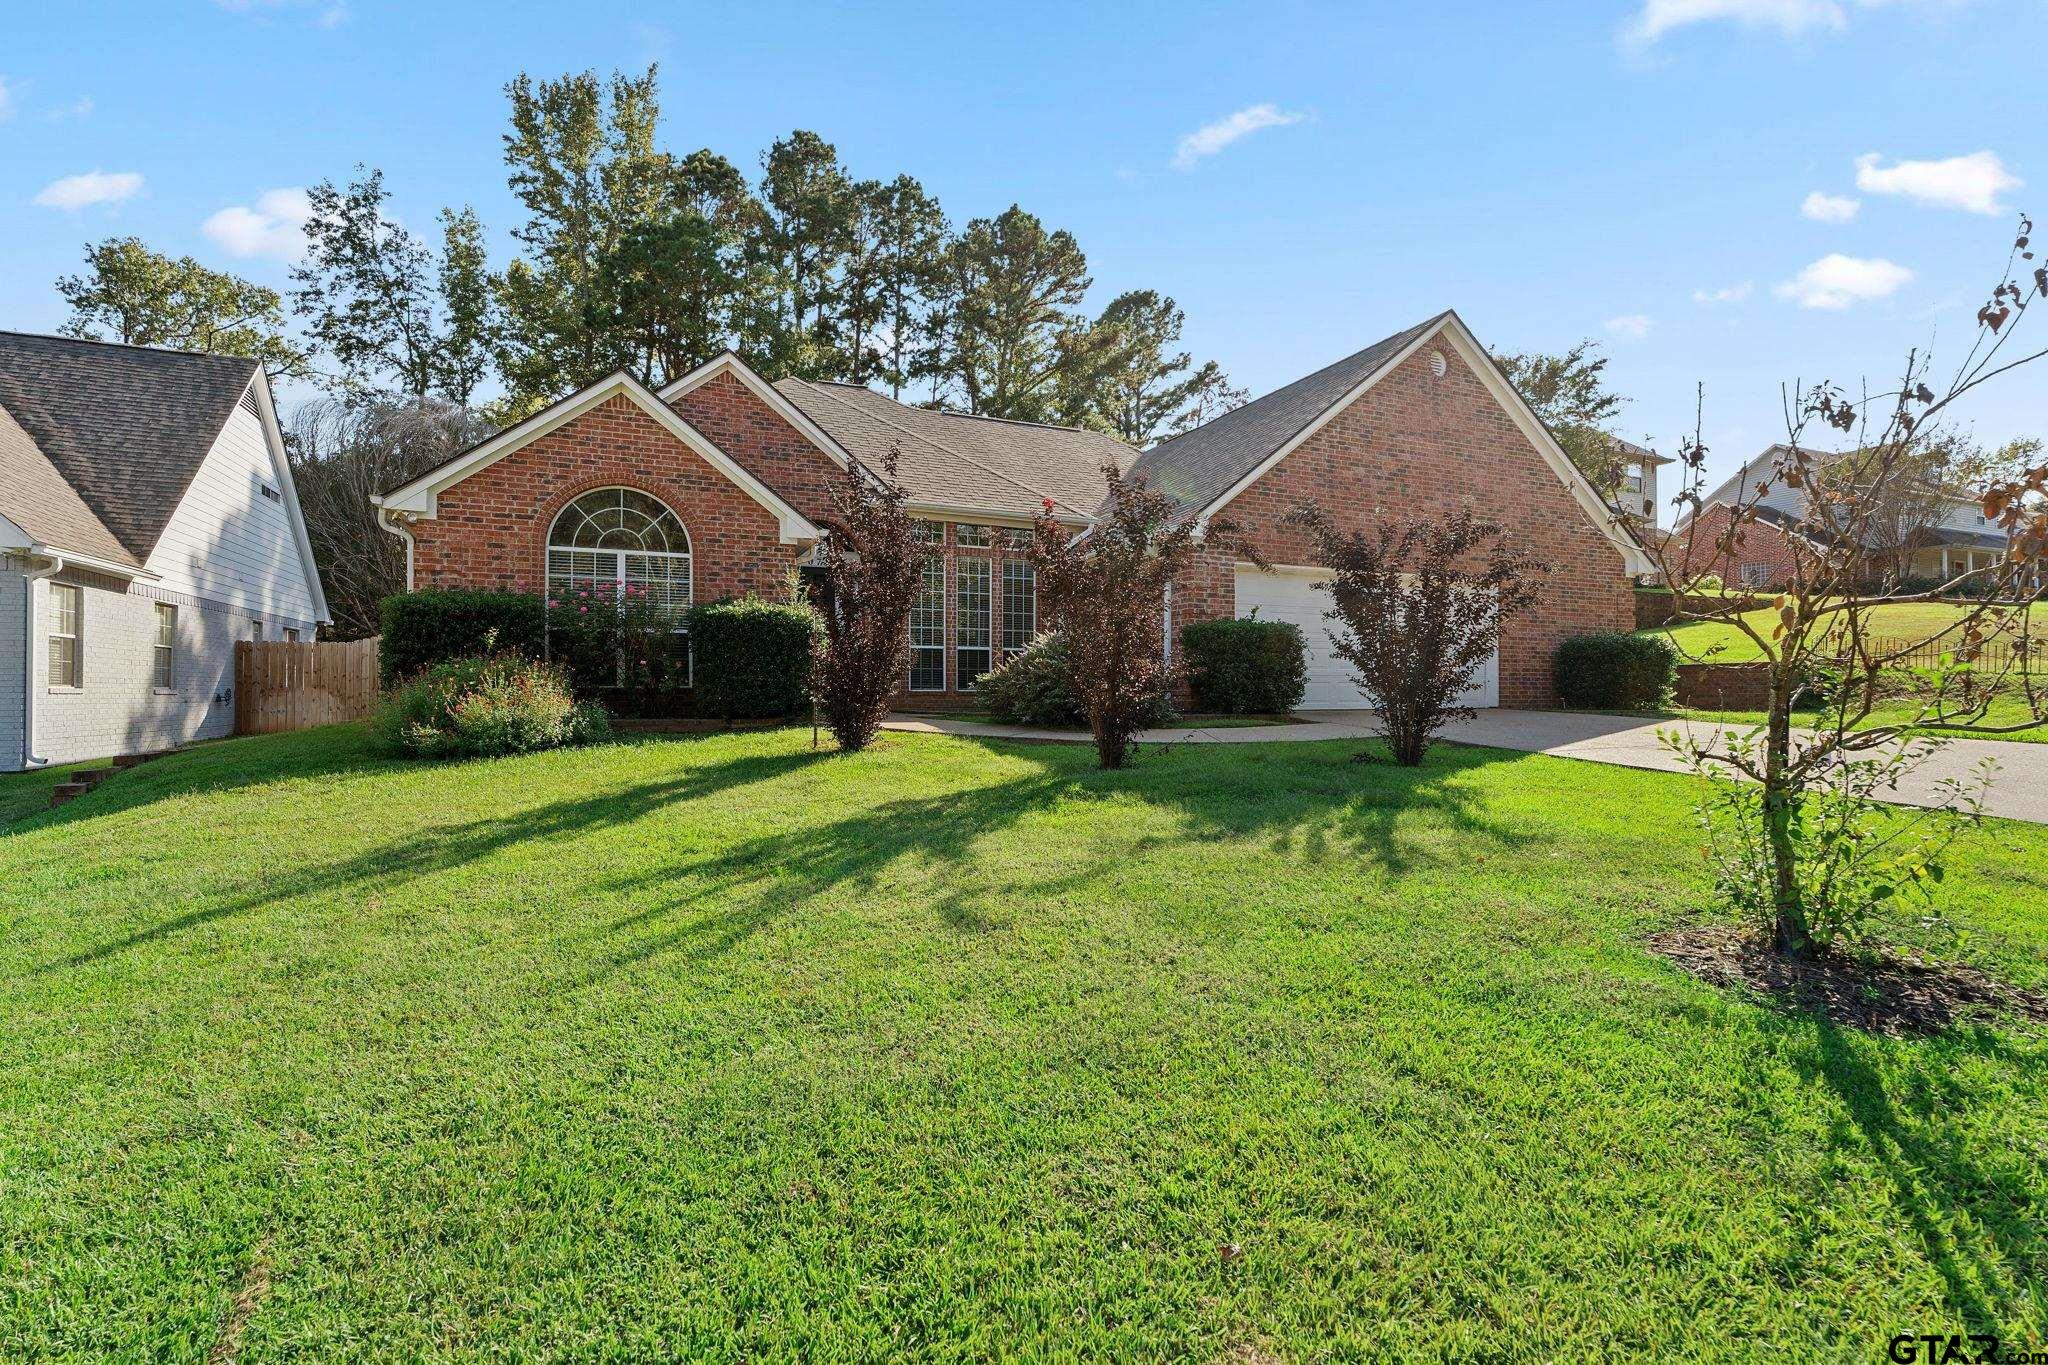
(720, 483)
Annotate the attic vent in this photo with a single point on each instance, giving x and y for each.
(271, 493)
(1437, 364)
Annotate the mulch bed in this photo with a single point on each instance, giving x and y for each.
(1879, 990)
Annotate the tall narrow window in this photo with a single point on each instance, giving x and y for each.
(67, 635)
(1020, 605)
(928, 630)
(971, 613)
(255, 627)
(164, 660)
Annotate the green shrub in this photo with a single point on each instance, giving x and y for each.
(627, 648)
(486, 705)
(1035, 686)
(425, 628)
(1616, 671)
(752, 657)
(1245, 668)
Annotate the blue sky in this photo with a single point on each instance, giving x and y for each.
(1739, 192)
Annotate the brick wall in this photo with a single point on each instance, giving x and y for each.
(763, 443)
(1415, 444)
(491, 528)
(1755, 544)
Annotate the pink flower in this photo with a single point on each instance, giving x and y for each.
(583, 611)
(1047, 502)
(553, 603)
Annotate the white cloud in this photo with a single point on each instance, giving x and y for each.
(1793, 18)
(1829, 208)
(75, 192)
(1734, 293)
(1789, 17)
(1630, 326)
(1971, 183)
(6, 101)
(1835, 281)
(1212, 138)
(275, 227)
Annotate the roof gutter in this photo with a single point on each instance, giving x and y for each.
(394, 522)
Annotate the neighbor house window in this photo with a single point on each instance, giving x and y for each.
(291, 634)
(1755, 575)
(164, 658)
(1020, 605)
(67, 635)
(971, 537)
(255, 627)
(928, 630)
(971, 611)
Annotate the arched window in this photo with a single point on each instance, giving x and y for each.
(612, 539)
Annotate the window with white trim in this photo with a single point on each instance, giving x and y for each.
(164, 655)
(291, 635)
(620, 542)
(1020, 605)
(255, 628)
(1017, 537)
(928, 532)
(971, 537)
(1755, 575)
(970, 622)
(928, 630)
(67, 635)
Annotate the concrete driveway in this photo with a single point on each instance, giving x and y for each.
(2018, 792)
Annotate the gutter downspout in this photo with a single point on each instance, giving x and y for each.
(29, 757)
(395, 523)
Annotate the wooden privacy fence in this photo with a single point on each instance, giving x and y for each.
(291, 685)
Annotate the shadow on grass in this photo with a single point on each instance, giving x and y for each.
(1906, 1112)
(437, 849)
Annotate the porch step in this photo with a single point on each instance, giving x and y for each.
(85, 779)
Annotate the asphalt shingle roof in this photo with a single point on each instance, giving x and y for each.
(1001, 467)
(1197, 467)
(126, 427)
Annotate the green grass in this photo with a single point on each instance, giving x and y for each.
(1723, 642)
(724, 1048)
(1196, 721)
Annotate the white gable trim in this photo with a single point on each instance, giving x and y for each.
(421, 497)
(1452, 328)
(730, 363)
(273, 436)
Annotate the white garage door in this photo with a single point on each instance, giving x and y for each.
(1292, 595)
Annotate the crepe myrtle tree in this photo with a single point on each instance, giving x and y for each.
(1418, 607)
(1797, 842)
(873, 570)
(1106, 589)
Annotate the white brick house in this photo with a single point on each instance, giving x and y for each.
(147, 522)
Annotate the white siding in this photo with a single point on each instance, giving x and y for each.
(229, 543)
(119, 710)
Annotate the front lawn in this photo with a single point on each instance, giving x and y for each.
(1722, 642)
(2005, 709)
(723, 1047)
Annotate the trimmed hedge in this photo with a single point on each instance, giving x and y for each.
(432, 626)
(752, 657)
(1616, 671)
(1245, 668)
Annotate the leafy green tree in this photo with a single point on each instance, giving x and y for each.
(659, 292)
(1011, 325)
(1139, 386)
(1569, 392)
(584, 165)
(375, 298)
(894, 283)
(132, 294)
(808, 206)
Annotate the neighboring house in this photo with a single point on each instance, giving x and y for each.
(1950, 534)
(721, 483)
(147, 523)
(1637, 496)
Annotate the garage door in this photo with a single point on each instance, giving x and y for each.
(1292, 595)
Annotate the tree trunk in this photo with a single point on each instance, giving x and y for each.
(1109, 746)
(1790, 933)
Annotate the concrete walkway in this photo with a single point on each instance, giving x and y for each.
(2018, 792)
